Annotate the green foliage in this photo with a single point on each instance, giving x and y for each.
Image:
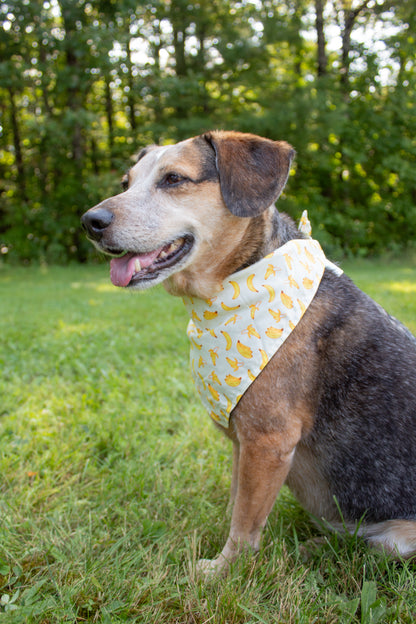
(114, 480)
(85, 85)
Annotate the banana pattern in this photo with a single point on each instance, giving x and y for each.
(228, 348)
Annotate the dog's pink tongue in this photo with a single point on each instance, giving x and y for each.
(122, 269)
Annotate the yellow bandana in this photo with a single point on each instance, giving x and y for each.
(234, 334)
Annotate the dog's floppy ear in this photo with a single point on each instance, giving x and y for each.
(252, 171)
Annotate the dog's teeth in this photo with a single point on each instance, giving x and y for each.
(137, 266)
(174, 246)
(171, 249)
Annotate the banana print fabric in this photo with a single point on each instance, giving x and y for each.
(234, 334)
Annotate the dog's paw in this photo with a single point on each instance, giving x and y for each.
(212, 568)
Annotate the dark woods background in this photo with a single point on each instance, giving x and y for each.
(84, 85)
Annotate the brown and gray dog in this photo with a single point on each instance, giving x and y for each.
(333, 414)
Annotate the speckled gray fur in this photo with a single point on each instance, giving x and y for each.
(364, 436)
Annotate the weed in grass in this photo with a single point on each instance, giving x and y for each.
(114, 482)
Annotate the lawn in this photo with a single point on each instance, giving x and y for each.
(114, 481)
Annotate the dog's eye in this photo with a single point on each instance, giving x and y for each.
(125, 183)
(172, 179)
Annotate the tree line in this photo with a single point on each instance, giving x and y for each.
(85, 84)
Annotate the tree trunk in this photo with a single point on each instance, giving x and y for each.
(130, 82)
(177, 18)
(157, 98)
(109, 114)
(73, 90)
(94, 157)
(17, 144)
(179, 45)
(201, 35)
(43, 63)
(350, 15)
(322, 59)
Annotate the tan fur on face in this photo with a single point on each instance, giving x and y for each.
(147, 217)
(216, 258)
(210, 206)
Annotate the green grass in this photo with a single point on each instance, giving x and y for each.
(114, 481)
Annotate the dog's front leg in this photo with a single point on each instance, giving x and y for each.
(234, 478)
(263, 465)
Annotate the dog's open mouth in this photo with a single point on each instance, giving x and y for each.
(132, 268)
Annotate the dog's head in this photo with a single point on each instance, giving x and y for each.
(186, 208)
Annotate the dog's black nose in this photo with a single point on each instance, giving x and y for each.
(96, 221)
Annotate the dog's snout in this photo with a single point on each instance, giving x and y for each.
(96, 221)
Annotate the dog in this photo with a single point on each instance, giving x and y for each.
(332, 413)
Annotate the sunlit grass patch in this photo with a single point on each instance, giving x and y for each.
(114, 481)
